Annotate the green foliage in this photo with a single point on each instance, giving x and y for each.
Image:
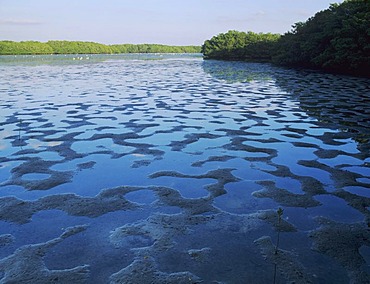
(235, 45)
(79, 47)
(153, 48)
(336, 39)
(24, 47)
(82, 47)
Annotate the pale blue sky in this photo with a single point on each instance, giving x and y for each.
(173, 22)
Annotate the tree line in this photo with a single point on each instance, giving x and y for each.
(83, 47)
(153, 48)
(235, 45)
(336, 40)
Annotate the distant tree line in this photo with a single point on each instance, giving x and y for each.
(78, 47)
(83, 47)
(336, 40)
(153, 48)
(25, 47)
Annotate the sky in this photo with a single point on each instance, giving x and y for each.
(171, 22)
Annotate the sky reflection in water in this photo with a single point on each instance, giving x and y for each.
(187, 160)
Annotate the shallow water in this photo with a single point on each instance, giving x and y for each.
(170, 169)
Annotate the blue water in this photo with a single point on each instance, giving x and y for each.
(181, 139)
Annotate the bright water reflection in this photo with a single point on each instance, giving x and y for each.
(172, 170)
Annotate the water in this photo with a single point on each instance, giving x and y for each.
(169, 168)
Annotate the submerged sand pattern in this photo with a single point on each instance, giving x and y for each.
(172, 171)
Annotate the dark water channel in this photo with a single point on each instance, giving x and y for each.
(171, 169)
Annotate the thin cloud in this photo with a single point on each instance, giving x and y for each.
(20, 22)
(259, 15)
(303, 14)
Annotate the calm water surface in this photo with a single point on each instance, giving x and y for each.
(171, 169)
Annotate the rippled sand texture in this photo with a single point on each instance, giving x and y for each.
(172, 171)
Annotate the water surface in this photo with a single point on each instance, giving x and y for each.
(171, 169)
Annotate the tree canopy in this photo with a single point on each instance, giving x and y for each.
(24, 47)
(78, 47)
(336, 40)
(235, 45)
(83, 47)
(153, 48)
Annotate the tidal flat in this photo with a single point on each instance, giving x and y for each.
(171, 169)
